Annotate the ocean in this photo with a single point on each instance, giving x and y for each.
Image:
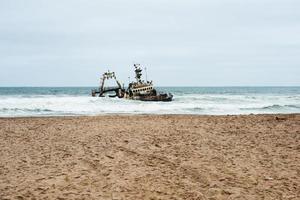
(73, 101)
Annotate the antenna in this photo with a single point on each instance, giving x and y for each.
(146, 74)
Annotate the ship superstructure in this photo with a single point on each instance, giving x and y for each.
(136, 90)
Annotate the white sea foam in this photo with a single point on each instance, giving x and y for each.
(51, 105)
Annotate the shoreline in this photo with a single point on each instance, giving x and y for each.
(150, 157)
(145, 114)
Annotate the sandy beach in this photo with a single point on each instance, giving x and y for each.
(150, 157)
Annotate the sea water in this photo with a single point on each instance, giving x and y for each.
(70, 101)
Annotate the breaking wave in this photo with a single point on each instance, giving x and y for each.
(186, 101)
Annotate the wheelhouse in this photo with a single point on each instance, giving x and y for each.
(143, 89)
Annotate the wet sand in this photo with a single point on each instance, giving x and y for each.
(151, 157)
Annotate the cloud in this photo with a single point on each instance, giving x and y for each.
(203, 37)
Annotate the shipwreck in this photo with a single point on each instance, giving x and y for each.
(137, 90)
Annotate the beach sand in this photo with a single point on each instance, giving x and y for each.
(150, 157)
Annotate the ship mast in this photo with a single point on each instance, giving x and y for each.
(138, 73)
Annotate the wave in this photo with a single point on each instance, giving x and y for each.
(273, 107)
(31, 105)
(194, 109)
(25, 110)
(294, 106)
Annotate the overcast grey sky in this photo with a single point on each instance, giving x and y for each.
(181, 42)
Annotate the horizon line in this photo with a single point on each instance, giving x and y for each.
(156, 86)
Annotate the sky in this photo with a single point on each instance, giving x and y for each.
(181, 43)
